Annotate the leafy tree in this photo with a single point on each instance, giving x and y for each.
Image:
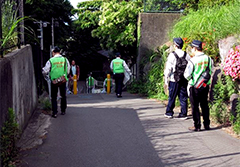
(45, 10)
(88, 14)
(114, 23)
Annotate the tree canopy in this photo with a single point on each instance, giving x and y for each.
(45, 10)
(114, 23)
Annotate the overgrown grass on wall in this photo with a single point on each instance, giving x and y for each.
(209, 25)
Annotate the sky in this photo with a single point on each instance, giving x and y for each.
(75, 2)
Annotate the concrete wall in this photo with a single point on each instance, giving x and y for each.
(154, 31)
(18, 85)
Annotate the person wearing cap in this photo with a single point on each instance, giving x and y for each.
(119, 66)
(176, 88)
(198, 95)
(57, 66)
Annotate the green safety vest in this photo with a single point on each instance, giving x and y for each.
(58, 67)
(90, 81)
(110, 81)
(200, 64)
(118, 66)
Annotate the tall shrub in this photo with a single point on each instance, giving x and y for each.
(9, 136)
(208, 25)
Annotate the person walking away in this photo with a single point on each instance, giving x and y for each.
(74, 70)
(119, 66)
(57, 67)
(198, 73)
(90, 82)
(174, 79)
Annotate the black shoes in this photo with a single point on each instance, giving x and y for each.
(206, 127)
(54, 115)
(183, 117)
(168, 115)
(194, 129)
(118, 95)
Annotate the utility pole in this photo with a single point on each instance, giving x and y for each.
(52, 32)
(21, 24)
(41, 34)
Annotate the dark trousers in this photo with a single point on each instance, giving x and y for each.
(54, 92)
(119, 82)
(200, 96)
(177, 89)
(90, 88)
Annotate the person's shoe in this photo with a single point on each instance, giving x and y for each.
(63, 113)
(207, 128)
(168, 115)
(183, 117)
(194, 129)
(54, 115)
(118, 96)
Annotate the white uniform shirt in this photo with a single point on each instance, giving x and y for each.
(74, 70)
(46, 69)
(171, 63)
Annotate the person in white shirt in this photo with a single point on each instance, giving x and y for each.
(55, 67)
(174, 79)
(119, 66)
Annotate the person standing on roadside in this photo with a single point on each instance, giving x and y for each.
(74, 70)
(199, 84)
(174, 79)
(57, 66)
(119, 66)
(90, 82)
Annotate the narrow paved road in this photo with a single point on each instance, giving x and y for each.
(100, 130)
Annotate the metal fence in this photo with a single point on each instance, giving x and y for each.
(160, 6)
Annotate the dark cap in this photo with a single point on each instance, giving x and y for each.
(178, 42)
(117, 54)
(56, 49)
(196, 44)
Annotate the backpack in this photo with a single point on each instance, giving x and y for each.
(180, 67)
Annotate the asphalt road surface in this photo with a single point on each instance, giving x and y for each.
(100, 130)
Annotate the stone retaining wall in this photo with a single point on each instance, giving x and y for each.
(18, 85)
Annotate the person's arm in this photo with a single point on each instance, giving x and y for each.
(111, 65)
(212, 65)
(78, 72)
(168, 68)
(189, 70)
(68, 66)
(46, 68)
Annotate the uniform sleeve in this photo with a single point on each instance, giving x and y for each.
(68, 66)
(126, 68)
(111, 65)
(212, 65)
(188, 71)
(188, 57)
(46, 68)
(168, 68)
